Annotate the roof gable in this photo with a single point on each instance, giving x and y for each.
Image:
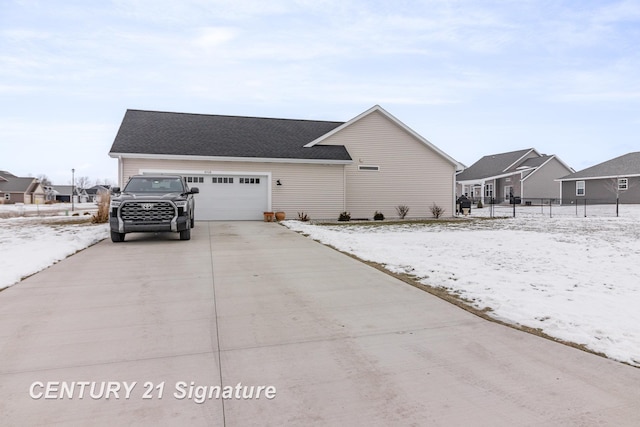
(494, 165)
(377, 108)
(625, 165)
(182, 134)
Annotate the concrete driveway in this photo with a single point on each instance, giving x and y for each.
(143, 328)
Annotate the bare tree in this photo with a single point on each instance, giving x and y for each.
(44, 180)
(83, 182)
(616, 185)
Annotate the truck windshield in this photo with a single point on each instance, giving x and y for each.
(154, 185)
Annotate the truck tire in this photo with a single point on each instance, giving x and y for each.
(193, 220)
(117, 237)
(185, 234)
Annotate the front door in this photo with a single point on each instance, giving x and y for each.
(508, 192)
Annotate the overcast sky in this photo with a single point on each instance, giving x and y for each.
(474, 77)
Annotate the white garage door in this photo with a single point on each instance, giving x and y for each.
(230, 197)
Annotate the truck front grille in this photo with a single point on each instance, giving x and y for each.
(147, 211)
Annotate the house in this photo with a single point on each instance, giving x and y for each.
(244, 166)
(14, 189)
(617, 179)
(59, 193)
(525, 175)
(93, 194)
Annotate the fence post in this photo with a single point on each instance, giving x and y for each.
(514, 206)
(617, 205)
(550, 214)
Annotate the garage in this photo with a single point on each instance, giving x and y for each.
(230, 196)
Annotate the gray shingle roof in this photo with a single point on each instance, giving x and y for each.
(625, 165)
(14, 184)
(153, 132)
(491, 165)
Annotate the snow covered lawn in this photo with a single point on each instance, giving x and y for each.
(574, 278)
(41, 237)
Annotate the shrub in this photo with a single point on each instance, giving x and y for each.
(378, 216)
(437, 211)
(102, 215)
(402, 210)
(303, 216)
(344, 216)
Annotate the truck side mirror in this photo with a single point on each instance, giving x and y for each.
(194, 190)
(115, 190)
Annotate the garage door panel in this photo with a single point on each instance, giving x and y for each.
(232, 197)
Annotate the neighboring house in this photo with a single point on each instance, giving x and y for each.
(244, 166)
(14, 189)
(524, 174)
(94, 193)
(62, 194)
(605, 182)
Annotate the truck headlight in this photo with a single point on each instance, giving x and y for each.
(181, 203)
(115, 204)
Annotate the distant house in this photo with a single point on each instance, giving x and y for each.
(14, 189)
(618, 178)
(62, 194)
(93, 194)
(524, 174)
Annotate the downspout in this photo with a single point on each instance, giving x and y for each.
(120, 172)
(453, 195)
(344, 188)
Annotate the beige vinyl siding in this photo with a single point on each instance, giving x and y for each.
(317, 190)
(410, 173)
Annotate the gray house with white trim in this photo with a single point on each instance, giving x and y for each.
(526, 174)
(245, 166)
(606, 182)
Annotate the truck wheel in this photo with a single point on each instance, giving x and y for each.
(193, 221)
(185, 234)
(117, 237)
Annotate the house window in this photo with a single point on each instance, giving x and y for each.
(580, 188)
(195, 179)
(368, 168)
(249, 180)
(623, 183)
(488, 190)
(222, 180)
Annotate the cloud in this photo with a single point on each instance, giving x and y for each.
(211, 37)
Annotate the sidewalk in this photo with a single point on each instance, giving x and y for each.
(254, 303)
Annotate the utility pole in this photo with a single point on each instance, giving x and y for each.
(73, 190)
